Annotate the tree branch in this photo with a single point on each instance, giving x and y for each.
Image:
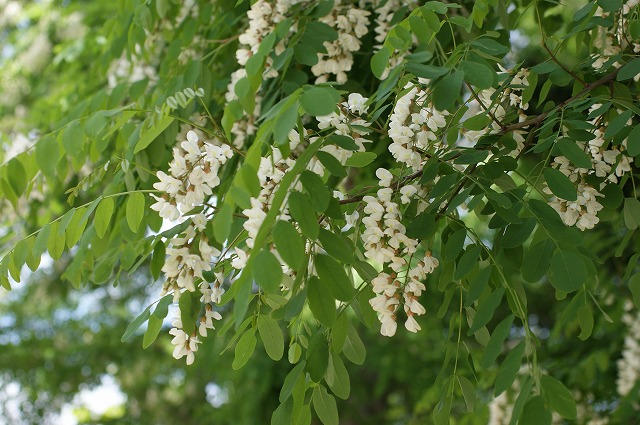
(567, 70)
(537, 120)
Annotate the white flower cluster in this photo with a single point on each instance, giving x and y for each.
(351, 24)
(495, 102)
(583, 211)
(263, 18)
(611, 42)
(189, 255)
(245, 126)
(184, 343)
(518, 83)
(193, 173)
(270, 173)
(608, 163)
(413, 127)
(384, 11)
(348, 122)
(385, 242)
(629, 364)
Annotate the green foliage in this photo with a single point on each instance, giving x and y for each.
(335, 170)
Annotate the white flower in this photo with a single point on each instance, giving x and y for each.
(184, 345)
(241, 259)
(411, 325)
(385, 177)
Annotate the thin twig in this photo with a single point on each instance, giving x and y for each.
(493, 117)
(567, 70)
(537, 120)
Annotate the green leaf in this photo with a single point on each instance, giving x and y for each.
(631, 213)
(380, 61)
(244, 349)
(477, 122)
(338, 247)
(135, 210)
(317, 357)
(40, 245)
(426, 71)
(103, 216)
(337, 377)
(629, 70)
(558, 397)
(150, 135)
(319, 101)
(268, 271)
(290, 381)
(535, 412)
(153, 329)
(17, 176)
(135, 324)
(617, 124)
(517, 233)
(332, 164)
(317, 190)
(271, 336)
(560, 184)
(509, 369)
(325, 406)
(477, 285)
(222, 223)
(354, 350)
(162, 7)
(47, 155)
(76, 227)
(302, 212)
(574, 153)
(633, 141)
(585, 318)
(361, 159)
(518, 406)
(536, 260)
(454, 244)
(285, 121)
(73, 139)
(189, 307)
(289, 243)
(468, 392)
(634, 286)
(477, 74)
(339, 331)
(422, 227)
(568, 271)
(334, 278)
(466, 262)
(55, 244)
(494, 347)
(471, 156)
(447, 91)
(321, 302)
(486, 308)
(157, 261)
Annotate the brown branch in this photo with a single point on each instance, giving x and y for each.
(567, 70)
(538, 120)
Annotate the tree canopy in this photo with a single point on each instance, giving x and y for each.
(336, 211)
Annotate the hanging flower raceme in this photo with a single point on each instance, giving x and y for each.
(385, 242)
(414, 125)
(351, 24)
